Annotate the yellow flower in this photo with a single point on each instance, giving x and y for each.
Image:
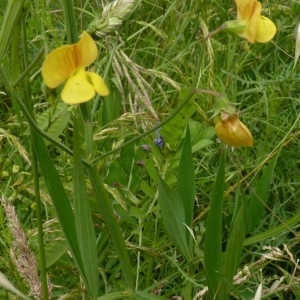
(68, 63)
(232, 131)
(249, 23)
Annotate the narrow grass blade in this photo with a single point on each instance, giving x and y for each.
(186, 179)
(260, 195)
(234, 249)
(83, 220)
(213, 235)
(173, 215)
(273, 232)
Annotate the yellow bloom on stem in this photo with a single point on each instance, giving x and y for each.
(68, 63)
(249, 23)
(232, 131)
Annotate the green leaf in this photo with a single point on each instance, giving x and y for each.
(59, 198)
(173, 215)
(127, 155)
(213, 235)
(116, 174)
(54, 251)
(260, 194)
(172, 131)
(112, 105)
(83, 220)
(55, 116)
(148, 296)
(272, 232)
(186, 179)
(234, 249)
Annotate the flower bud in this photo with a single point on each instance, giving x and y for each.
(232, 131)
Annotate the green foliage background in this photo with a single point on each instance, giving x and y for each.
(151, 63)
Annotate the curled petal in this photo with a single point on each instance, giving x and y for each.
(78, 88)
(60, 64)
(233, 132)
(98, 83)
(265, 30)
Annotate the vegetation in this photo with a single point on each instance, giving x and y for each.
(132, 195)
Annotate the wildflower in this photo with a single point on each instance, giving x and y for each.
(232, 131)
(249, 23)
(68, 63)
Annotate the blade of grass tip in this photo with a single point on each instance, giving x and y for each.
(107, 212)
(186, 179)
(83, 220)
(5, 283)
(260, 194)
(213, 235)
(173, 216)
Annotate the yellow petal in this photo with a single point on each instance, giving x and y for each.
(78, 88)
(58, 66)
(265, 30)
(233, 132)
(250, 32)
(86, 50)
(62, 62)
(246, 8)
(98, 83)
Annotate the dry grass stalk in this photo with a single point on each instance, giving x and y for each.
(20, 253)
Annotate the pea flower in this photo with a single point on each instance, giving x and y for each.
(68, 63)
(232, 131)
(249, 23)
